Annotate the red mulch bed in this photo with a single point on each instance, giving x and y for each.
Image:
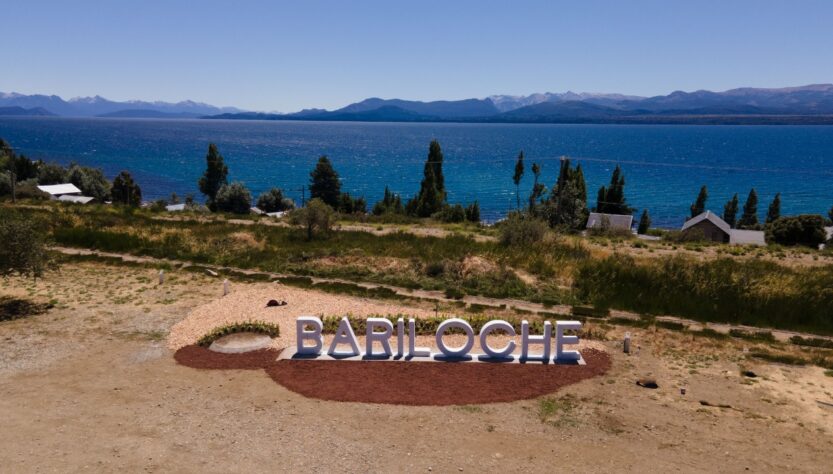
(198, 357)
(404, 383)
(430, 383)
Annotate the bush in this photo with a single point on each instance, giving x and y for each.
(316, 218)
(23, 246)
(812, 342)
(454, 213)
(807, 229)
(273, 201)
(473, 212)
(260, 327)
(518, 229)
(90, 181)
(234, 198)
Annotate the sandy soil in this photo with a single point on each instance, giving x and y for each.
(92, 385)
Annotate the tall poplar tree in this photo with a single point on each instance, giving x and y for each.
(516, 178)
(774, 211)
(749, 218)
(699, 205)
(730, 211)
(215, 176)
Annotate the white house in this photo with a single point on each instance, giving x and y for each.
(598, 220)
(65, 192)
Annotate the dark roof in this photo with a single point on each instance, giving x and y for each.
(711, 217)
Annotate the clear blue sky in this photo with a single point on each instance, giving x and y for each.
(271, 55)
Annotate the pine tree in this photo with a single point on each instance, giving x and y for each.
(749, 218)
(431, 197)
(125, 191)
(645, 222)
(215, 176)
(730, 211)
(774, 211)
(435, 157)
(567, 204)
(612, 199)
(581, 185)
(324, 183)
(600, 200)
(516, 178)
(699, 205)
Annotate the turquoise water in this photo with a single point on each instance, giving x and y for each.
(664, 165)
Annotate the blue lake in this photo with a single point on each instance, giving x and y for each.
(664, 165)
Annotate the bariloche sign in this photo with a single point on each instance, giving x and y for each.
(345, 345)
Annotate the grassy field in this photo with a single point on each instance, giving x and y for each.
(770, 287)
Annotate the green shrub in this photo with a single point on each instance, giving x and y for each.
(763, 336)
(260, 327)
(454, 293)
(807, 230)
(779, 358)
(812, 342)
(518, 230)
(234, 198)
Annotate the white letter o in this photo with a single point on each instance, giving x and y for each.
(455, 323)
(484, 344)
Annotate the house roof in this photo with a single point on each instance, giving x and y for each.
(175, 207)
(58, 189)
(617, 221)
(75, 199)
(711, 217)
(747, 237)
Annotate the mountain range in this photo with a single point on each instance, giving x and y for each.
(99, 106)
(811, 104)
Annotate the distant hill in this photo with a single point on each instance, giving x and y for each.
(20, 111)
(99, 106)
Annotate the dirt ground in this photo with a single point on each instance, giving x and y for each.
(93, 385)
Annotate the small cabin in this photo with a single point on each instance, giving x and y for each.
(67, 192)
(715, 229)
(598, 220)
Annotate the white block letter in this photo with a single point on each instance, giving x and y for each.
(484, 343)
(344, 335)
(526, 340)
(313, 335)
(561, 340)
(414, 351)
(400, 337)
(458, 324)
(383, 337)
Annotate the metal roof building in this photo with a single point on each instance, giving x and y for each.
(615, 221)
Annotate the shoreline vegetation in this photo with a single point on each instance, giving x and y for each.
(536, 254)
